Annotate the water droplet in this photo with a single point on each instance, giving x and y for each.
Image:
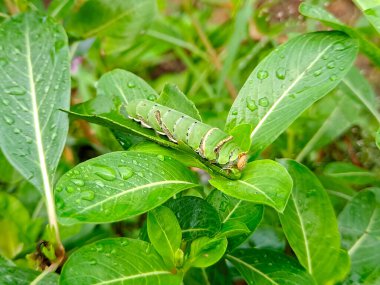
(325, 56)
(70, 189)
(124, 242)
(341, 68)
(148, 249)
(8, 120)
(223, 206)
(333, 77)
(235, 112)
(131, 84)
(264, 102)
(160, 157)
(134, 162)
(16, 91)
(339, 47)
(125, 172)
(17, 131)
(78, 182)
(59, 189)
(293, 96)
(251, 104)
(88, 195)
(317, 72)
(99, 183)
(140, 174)
(5, 102)
(28, 139)
(281, 73)
(105, 172)
(152, 97)
(53, 136)
(331, 65)
(92, 262)
(262, 74)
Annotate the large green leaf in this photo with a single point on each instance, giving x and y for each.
(318, 13)
(119, 185)
(310, 225)
(234, 212)
(265, 267)
(196, 217)
(118, 19)
(351, 174)
(164, 233)
(117, 261)
(35, 83)
(370, 9)
(288, 81)
(359, 224)
(11, 275)
(262, 182)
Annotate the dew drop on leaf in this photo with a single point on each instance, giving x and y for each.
(28, 139)
(262, 74)
(78, 182)
(8, 120)
(17, 131)
(331, 65)
(235, 112)
(160, 157)
(59, 189)
(99, 183)
(16, 91)
(5, 102)
(317, 72)
(134, 162)
(105, 172)
(264, 102)
(152, 97)
(339, 46)
(131, 84)
(125, 172)
(281, 73)
(70, 189)
(124, 242)
(251, 104)
(92, 262)
(88, 195)
(333, 77)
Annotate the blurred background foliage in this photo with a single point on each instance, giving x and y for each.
(208, 48)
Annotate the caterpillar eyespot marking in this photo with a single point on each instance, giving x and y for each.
(209, 142)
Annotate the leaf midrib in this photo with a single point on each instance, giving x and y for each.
(136, 276)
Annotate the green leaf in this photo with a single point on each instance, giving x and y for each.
(206, 251)
(357, 86)
(118, 185)
(310, 225)
(172, 97)
(196, 217)
(262, 267)
(350, 173)
(35, 84)
(117, 261)
(290, 80)
(359, 225)
(10, 275)
(262, 182)
(164, 233)
(371, 50)
(345, 113)
(117, 19)
(14, 219)
(371, 10)
(237, 216)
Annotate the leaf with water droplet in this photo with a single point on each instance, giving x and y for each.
(103, 188)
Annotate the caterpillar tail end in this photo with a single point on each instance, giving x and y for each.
(242, 161)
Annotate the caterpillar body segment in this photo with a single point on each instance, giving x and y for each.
(211, 143)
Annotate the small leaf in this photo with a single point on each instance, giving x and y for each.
(119, 19)
(262, 267)
(35, 85)
(290, 80)
(350, 173)
(206, 251)
(172, 97)
(237, 216)
(262, 182)
(310, 225)
(371, 10)
(196, 217)
(164, 233)
(359, 225)
(119, 185)
(10, 275)
(117, 261)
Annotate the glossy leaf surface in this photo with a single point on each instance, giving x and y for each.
(118, 185)
(310, 225)
(262, 182)
(206, 251)
(288, 81)
(132, 262)
(35, 85)
(265, 267)
(10, 275)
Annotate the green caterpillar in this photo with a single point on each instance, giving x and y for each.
(210, 143)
